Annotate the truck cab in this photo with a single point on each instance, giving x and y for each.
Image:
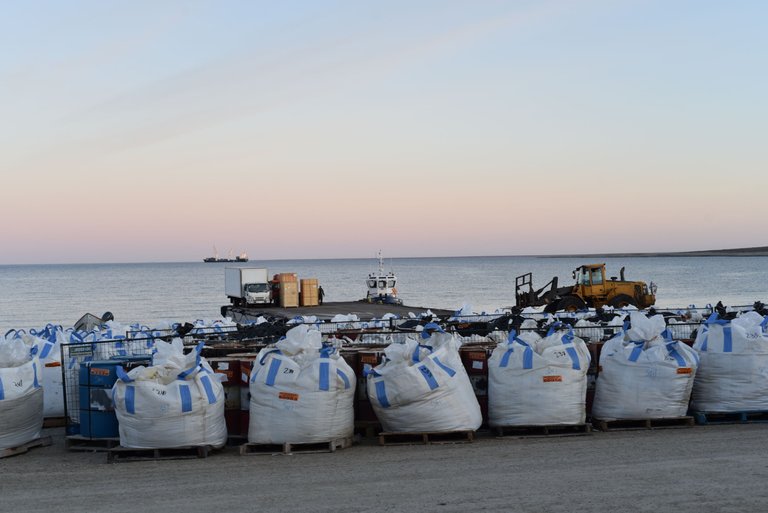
(247, 286)
(256, 293)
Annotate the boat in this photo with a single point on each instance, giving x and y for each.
(381, 286)
(242, 257)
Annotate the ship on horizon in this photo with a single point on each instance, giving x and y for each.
(242, 257)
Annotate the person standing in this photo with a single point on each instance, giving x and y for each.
(320, 294)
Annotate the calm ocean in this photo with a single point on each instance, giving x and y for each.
(34, 295)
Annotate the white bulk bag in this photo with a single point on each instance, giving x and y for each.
(301, 392)
(176, 402)
(423, 387)
(643, 375)
(534, 381)
(733, 375)
(21, 394)
(48, 342)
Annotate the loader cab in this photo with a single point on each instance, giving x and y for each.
(590, 279)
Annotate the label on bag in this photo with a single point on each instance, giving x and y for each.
(288, 396)
(477, 364)
(552, 379)
(685, 370)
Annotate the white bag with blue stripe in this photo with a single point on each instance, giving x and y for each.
(538, 381)
(422, 386)
(733, 375)
(644, 374)
(301, 392)
(48, 342)
(21, 395)
(176, 402)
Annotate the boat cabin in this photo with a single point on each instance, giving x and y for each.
(382, 285)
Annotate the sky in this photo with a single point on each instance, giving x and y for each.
(144, 131)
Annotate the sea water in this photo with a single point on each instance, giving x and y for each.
(34, 295)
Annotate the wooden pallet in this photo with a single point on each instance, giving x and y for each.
(236, 440)
(295, 448)
(83, 443)
(630, 424)
(543, 431)
(739, 417)
(52, 422)
(367, 428)
(120, 453)
(21, 449)
(427, 437)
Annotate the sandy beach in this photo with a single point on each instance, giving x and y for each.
(704, 468)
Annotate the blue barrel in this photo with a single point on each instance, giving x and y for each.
(97, 413)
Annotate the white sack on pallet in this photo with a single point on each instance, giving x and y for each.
(423, 387)
(176, 402)
(538, 381)
(301, 392)
(643, 375)
(21, 395)
(733, 375)
(48, 342)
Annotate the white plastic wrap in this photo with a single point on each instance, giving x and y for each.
(177, 402)
(423, 387)
(642, 375)
(538, 381)
(21, 397)
(301, 392)
(733, 375)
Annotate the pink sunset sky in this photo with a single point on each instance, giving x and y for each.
(150, 131)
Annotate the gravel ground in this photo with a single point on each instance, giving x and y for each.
(706, 468)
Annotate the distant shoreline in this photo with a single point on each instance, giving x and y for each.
(738, 252)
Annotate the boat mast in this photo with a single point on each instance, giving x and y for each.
(381, 264)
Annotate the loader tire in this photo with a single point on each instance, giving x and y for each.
(622, 301)
(571, 304)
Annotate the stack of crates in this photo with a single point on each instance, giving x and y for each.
(308, 294)
(232, 383)
(289, 290)
(364, 413)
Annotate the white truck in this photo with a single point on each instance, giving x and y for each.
(246, 285)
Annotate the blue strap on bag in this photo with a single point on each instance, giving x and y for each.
(274, 368)
(430, 326)
(381, 394)
(130, 399)
(527, 354)
(428, 377)
(416, 356)
(567, 340)
(637, 350)
(714, 319)
(208, 387)
(325, 372)
(443, 366)
(344, 378)
(185, 373)
(122, 375)
(186, 397)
